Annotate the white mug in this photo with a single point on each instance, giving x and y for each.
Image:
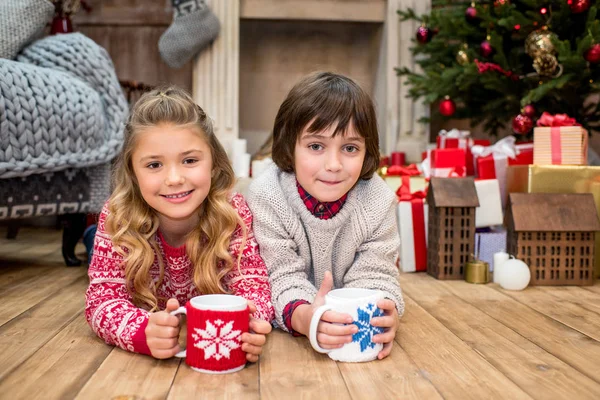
(361, 304)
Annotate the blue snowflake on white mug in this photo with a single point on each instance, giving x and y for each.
(366, 331)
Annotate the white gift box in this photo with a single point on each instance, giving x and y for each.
(407, 238)
(489, 212)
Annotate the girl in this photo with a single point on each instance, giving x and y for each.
(172, 231)
(322, 217)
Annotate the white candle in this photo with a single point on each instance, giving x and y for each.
(499, 259)
(238, 148)
(241, 165)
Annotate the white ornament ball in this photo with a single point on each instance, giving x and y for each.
(514, 275)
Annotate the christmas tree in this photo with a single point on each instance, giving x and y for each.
(504, 62)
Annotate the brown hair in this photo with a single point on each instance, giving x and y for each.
(325, 98)
(133, 223)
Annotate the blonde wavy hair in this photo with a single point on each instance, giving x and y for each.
(133, 224)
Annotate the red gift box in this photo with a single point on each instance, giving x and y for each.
(448, 140)
(448, 163)
(524, 154)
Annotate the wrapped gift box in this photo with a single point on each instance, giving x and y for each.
(487, 243)
(560, 145)
(524, 154)
(494, 167)
(557, 179)
(489, 212)
(456, 139)
(412, 224)
(448, 163)
(417, 183)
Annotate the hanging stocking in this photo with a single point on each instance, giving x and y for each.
(194, 27)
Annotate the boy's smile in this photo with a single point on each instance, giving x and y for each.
(328, 167)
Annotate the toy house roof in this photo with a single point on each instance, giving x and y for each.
(452, 192)
(553, 212)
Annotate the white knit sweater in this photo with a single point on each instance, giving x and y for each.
(359, 245)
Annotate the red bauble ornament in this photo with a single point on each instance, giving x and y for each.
(486, 48)
(423, 34)
(471, 14)
(447, 107)
(579, 6)
(592, 55)
(529, 110)
(522, 124)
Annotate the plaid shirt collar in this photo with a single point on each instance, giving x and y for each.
(321, 210)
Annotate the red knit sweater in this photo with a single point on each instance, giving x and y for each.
(109, 308)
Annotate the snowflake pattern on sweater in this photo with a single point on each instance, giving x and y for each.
(109, 308)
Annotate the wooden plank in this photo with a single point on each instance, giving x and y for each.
(18, 273)
(595, 288)
(395, 377)
(21, 251)
(326, 10)
(588, 300)
(534, 370)
(61, 367)
(563, 309)
(291, 369)
(456, 370)
(190, 384)
(25, 334)
(20, 298)
(127, 374)
(569, 345)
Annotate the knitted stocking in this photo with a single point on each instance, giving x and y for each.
(194, 27)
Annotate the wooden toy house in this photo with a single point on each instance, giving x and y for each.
(451, 229)
(553, 233)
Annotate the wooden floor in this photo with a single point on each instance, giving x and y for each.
(456, 341)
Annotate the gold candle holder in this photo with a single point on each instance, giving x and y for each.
(477, 271)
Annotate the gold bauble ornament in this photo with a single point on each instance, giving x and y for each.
(462, 58)
(539, 42)
(545, 64)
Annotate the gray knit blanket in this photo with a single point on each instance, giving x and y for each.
(61, 106)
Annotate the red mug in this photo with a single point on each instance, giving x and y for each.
(215, 324)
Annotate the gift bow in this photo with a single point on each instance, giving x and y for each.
(398, 170)
(404, 193)
(504, 146)
(454, 133)
(548, 119)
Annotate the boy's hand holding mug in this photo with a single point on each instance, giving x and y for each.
(350, 324)
(334, 330)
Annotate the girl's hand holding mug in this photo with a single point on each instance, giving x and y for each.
(254, 340)
(162, 332)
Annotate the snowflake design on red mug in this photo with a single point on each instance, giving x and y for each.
(217, 339)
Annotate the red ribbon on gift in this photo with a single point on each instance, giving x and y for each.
(418, 218)
(548, 119)
(399, 170)
(555, 122)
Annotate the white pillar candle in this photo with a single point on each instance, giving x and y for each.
(241, 165)
(499, 259)
(238, 147)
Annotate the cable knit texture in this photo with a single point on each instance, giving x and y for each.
(61, 106)
(22, 21)
(109, 308)
(359, 245)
